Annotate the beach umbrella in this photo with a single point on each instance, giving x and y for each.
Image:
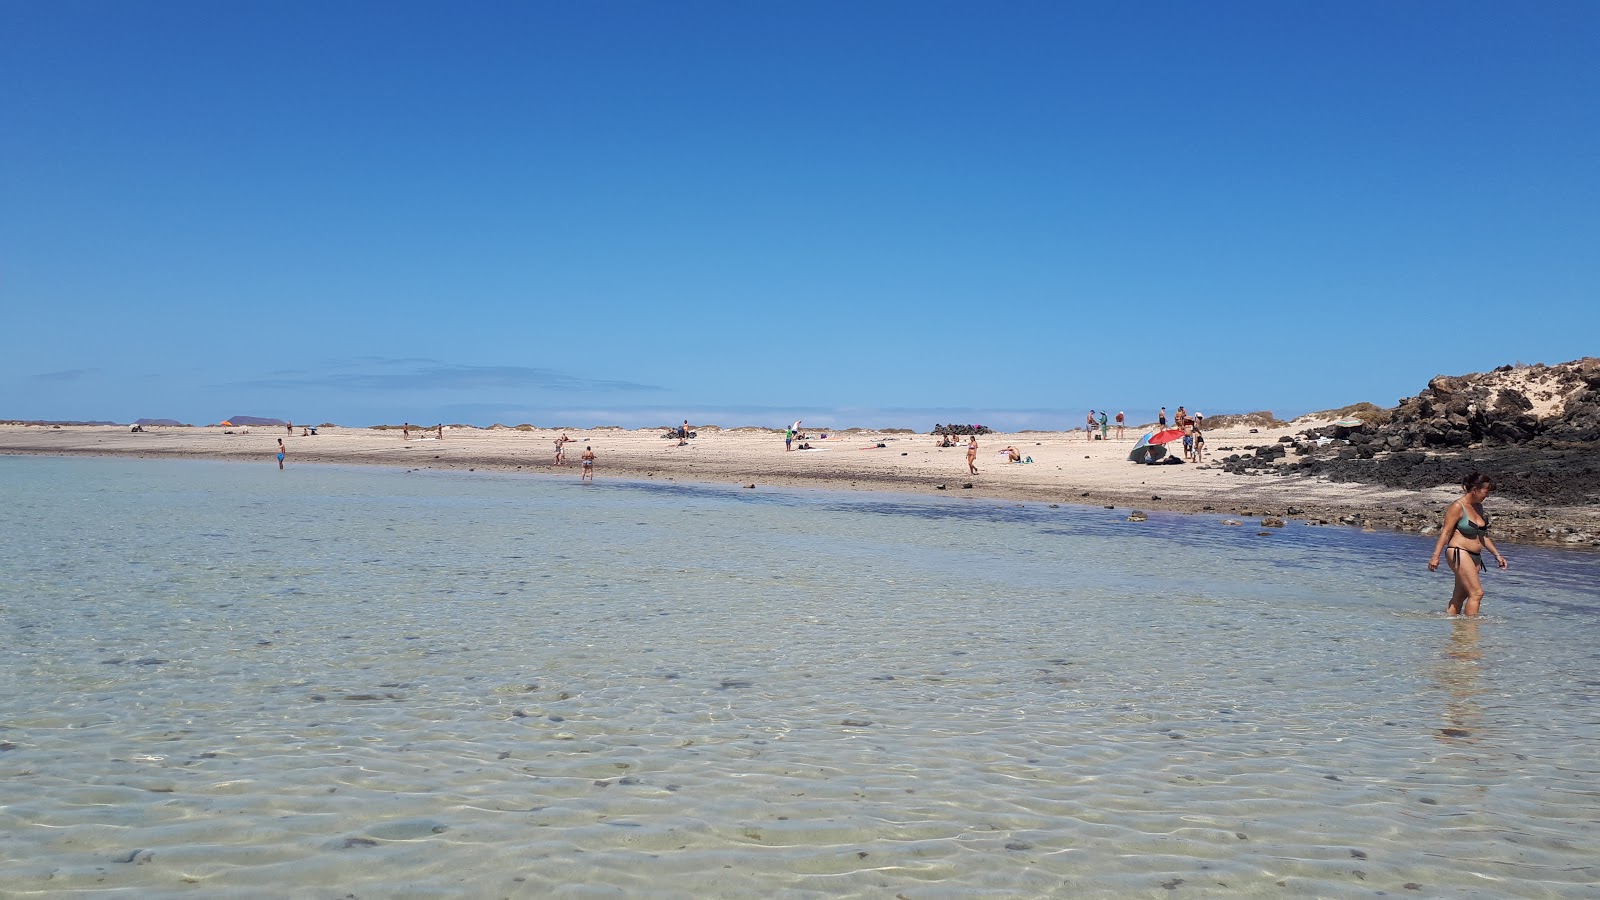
(1145, 453)
(1153, 445)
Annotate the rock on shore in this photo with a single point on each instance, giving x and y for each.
(1534, 429)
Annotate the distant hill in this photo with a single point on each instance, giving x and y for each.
(159, 422)
(254, 420)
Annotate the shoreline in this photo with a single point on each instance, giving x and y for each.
(1067, 469)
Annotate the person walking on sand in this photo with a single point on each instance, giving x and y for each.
(972, 455)
(561, 453)
(281, 452)
(1199, 440)
(588, 464)
(1462, 540)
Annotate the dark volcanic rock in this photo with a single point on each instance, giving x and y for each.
(1533, 429)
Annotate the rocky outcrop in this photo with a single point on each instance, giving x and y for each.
(1534, 429)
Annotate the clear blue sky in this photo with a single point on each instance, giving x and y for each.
(863, 213)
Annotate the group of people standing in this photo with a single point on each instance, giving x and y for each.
(1102, 422)
(1194, 438)
(586, 458)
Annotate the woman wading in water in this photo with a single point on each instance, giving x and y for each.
(1462, 540)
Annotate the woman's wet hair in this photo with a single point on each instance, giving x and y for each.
(1476, 480)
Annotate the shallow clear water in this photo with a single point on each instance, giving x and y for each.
(225, 680)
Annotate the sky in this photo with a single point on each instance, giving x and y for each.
(875, 214)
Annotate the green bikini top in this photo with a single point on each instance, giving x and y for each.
(1470, 529)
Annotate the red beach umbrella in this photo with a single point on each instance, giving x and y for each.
(1166, 436)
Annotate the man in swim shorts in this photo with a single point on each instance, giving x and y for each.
(281, 451)
(588, 464)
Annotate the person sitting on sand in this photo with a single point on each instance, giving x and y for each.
(1012, 454)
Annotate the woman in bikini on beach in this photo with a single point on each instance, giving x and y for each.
(1462, 540)
(972, 455)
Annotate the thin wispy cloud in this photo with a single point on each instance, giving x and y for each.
(381, 374)
(65, 375)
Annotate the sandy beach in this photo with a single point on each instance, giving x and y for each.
(1066, 468)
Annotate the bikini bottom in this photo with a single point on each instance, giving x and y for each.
(1476, 557)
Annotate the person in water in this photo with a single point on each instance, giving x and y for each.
(1462, 540)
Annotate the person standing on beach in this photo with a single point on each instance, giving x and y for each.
(588, 464)
(788, 440)
(1088, 427)
(441, 431)
(405, 432)
(1199, 440)
(1104, 426)
(561, 454)
(281, 452)
(1462, 540)
(1161, 423)
(972, 455)
(1121, 421)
